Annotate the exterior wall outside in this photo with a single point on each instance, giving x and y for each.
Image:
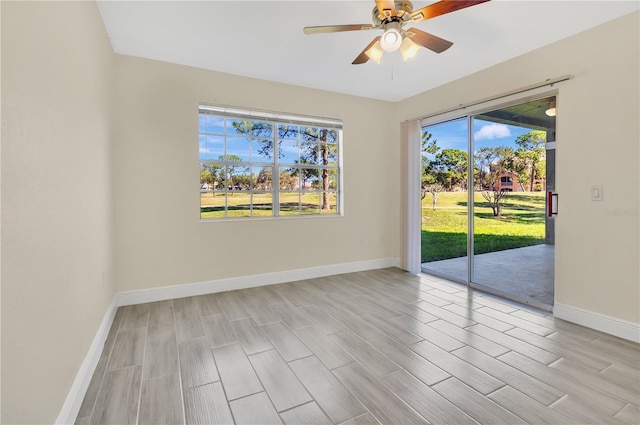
(508, 181)
(513, 185)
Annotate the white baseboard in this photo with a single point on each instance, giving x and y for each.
(242, 282)
(601, 322)
(72, 404)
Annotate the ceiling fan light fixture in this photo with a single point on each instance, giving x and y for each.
(551, 107)
(391, 39)
(375, 52)
(408, 48)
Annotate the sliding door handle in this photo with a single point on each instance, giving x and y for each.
(552, 204)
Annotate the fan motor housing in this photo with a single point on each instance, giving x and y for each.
(403, 10)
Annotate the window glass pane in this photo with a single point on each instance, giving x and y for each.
(328, 154)
(214, 124)
(287, 132)
(289, 203)
(262, 150)
(309, 153)
(212, 147)
(332, 136)
(209, 176)
(241, 178)
(262, 178)
(201, 123)
(237, 177)
(310, 203)
(329, 203)
(310, 179)
(261, 129)
(332, 179)
(202, 146)
(288, 152)
(217, 173)
(237, 149)
(309, 134)
(289, 179)
(262, 204)
(236, 126)
(212, 205)
(238, 204)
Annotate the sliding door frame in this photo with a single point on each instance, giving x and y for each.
(469, 115)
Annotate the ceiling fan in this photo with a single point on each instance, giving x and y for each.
(391, 16)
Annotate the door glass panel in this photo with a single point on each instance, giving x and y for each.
(512, 237)
(444, 202)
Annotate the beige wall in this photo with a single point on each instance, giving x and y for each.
(597, 144)
(159, 239)
(56, 225)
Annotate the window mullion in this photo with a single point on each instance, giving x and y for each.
(275, 174)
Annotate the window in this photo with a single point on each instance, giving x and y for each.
(258, 164)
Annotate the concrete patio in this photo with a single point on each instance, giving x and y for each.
(526, 274)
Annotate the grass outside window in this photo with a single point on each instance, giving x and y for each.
(444, 231)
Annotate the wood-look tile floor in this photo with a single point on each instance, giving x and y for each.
(373, 347)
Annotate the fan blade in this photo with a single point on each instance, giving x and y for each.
(362, 57)
(336, 28)
(386, 9)
(442, 7)
(429, 41)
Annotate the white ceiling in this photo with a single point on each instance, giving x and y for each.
(264, 39)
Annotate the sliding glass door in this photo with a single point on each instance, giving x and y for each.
(485, 178)
(445, 213)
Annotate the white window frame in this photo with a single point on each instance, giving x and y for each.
(275, 119)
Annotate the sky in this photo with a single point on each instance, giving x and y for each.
(453, 134)
(219, 137)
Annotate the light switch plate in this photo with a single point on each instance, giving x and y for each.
(596, 193)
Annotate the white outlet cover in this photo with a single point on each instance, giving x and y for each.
(596, 193)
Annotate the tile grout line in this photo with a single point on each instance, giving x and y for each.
(215, 363)
(144, 355)
(182, 393)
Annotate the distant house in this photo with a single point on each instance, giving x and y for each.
(508, 182)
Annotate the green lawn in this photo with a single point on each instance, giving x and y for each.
(444, 231)
(239, 204)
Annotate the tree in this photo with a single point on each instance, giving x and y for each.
(496, 200)
(506, 161)
(211, 174)
(434, 189)
(485, 158)
(261, 130)
(318, 148)
(541, 173)
(235, 175)
(288, 181)
(264, 180)
(531, 150)
(429, 147)
(451, 165)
